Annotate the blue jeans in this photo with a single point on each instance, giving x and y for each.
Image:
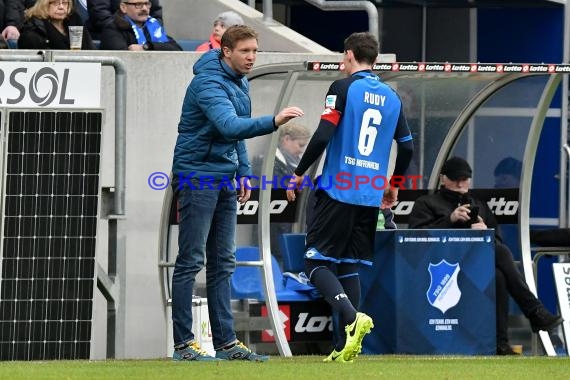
(207, 225)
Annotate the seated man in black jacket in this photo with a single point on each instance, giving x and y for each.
(452, 206)
(133, 29)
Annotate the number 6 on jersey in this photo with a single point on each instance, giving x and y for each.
(368, 132)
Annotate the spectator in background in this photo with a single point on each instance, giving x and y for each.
(1, 14)
(223, 21)
(293, 139)
(135, 30)
(46, 26)
(14, 17)
(80, 7)
(3, 44)
(508, 173)
(101, 14)
(452, 206)
(507, 176)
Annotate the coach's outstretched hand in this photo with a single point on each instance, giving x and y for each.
(287, 114)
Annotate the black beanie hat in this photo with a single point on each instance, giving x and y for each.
(456, 168)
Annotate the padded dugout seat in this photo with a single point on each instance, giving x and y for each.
(293, 251)
(246, 281)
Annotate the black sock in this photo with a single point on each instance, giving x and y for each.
(348, 276)
(334, 294)
(339, 335)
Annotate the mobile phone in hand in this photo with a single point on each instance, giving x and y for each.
(474, 214)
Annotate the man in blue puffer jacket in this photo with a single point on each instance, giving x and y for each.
(210, 151)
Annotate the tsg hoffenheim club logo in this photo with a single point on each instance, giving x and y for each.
(443, 291)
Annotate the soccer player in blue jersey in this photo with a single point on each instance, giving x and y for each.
(362, 117)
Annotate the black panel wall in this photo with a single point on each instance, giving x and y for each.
(49, 219)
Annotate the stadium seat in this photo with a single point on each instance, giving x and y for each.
(189, 45)
(246, 282)
(293, 248)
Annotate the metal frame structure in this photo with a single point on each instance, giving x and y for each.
(291, 73)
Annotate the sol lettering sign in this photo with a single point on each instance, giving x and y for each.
(50, 85)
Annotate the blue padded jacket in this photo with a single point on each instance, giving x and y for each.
(215, 119)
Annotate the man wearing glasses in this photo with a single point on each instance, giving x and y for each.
(134, 29)
(101, 14)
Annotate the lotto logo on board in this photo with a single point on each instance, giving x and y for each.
(512, 68)
(316, 66)
(408, 67)
(486, 68)
(538, 68)
(382, 66)
(434, 67)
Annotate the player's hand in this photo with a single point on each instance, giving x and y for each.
(390, 197)
(293, 187)
(287, 114)
(244, 190)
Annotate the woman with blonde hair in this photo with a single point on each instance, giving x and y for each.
(46, 26)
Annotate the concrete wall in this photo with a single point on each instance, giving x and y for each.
(193, 19)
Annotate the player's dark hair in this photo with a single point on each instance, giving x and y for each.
(364, 46)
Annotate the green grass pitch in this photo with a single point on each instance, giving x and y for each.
(299, 368)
